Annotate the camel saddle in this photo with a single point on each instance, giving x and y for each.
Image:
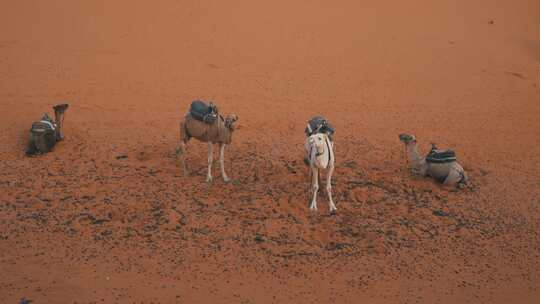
(440, 156)
(319, 124)
(206, 113)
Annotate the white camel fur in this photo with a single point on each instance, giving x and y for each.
(219, 132)
(320, 153)
(449, 174)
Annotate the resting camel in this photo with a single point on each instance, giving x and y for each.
(320, 156)
(440, 165)
(218, 130)
(45, 133)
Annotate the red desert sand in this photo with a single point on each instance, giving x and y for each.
(108, 217)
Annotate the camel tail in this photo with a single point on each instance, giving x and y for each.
(185, 136)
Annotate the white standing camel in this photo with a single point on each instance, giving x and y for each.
(320, 154)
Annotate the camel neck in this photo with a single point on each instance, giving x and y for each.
(323, 160)
(412, 153)
(58, 118)
(223, 133)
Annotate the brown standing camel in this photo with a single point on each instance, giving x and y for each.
(219, 131)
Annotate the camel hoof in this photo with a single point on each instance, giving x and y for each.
(209, 179)
(333, 209)
(226, 179)
(313, 208)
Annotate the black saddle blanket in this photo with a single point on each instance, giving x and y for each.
(207, 113)
(441, 156)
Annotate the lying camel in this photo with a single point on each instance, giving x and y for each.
(45, 133)
(320, 155)
(440, 165)
(218, 131)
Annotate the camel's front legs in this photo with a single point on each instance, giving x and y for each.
(221, 162)
(314, 187)
(210, 160)
(329, 188)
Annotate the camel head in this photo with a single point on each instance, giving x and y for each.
(230, 121)
(317, 142)
(59, 111)
(407, 138)
(60, 108)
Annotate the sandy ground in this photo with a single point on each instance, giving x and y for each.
(80, 225)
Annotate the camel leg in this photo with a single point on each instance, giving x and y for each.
(210, 160)
(221, 163)
(453, 178)
(181, 150)
(422, 170)
(319, 177)
(182, 146)
(314, 187)
(329, 188)
(465, 177)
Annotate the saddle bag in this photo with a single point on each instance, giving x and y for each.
(441, 156)
(201, 111)
(319, 124)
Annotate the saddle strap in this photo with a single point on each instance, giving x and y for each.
(49, 123)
